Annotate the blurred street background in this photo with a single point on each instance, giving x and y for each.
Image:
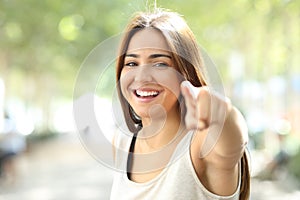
(255, 45)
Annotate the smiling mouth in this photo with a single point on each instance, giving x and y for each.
(146, 94)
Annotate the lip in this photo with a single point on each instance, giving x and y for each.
(146, 95)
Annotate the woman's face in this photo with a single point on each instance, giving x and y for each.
(148, 76)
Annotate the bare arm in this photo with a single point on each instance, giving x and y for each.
(220, 139)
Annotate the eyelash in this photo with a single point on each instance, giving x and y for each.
(131, 64)
(161, 64)
(157, 64)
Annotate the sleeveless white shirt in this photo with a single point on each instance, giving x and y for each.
(176, 181)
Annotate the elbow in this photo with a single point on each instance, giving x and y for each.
(237, 131)
(243, 130)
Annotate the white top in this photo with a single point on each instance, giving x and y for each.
(176, 181)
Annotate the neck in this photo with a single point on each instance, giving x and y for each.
(158, 132)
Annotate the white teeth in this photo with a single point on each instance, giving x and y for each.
(146, 93)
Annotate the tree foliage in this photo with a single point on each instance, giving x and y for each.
(43, 43)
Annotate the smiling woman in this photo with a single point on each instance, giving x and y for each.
(186, 141)
(148, 77)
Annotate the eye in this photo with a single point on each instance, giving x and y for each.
(131, 64)
(161, 64)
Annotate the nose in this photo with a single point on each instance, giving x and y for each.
(143, 73)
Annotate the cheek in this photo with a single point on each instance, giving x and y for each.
(125, 80)
(172, 83)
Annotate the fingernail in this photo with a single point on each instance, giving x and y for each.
(190, 87)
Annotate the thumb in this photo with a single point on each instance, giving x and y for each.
(188, 90)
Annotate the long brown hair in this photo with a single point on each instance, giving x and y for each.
(187, 59)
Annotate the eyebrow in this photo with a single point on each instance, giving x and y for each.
(152, 56)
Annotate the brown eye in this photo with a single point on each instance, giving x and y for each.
(131, 64)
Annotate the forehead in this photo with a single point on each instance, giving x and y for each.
(148, 38)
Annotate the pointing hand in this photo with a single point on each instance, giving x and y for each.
(204, 108)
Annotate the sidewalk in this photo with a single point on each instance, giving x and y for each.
(58, 169)
(61, 169)
(265, 190)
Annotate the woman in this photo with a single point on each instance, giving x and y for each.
(186, 141)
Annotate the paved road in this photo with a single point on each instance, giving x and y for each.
(61, 169)
(58, 169)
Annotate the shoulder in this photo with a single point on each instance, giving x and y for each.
(120, 142)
